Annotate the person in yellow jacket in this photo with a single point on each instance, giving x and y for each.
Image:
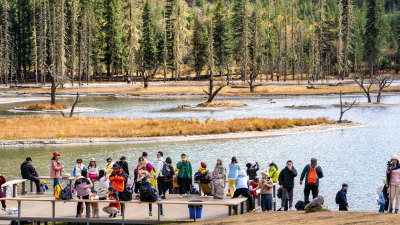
(273, 171)
(104, 181)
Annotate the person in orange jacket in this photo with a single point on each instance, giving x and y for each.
(118, 180)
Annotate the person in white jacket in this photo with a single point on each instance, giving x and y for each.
(160, 176)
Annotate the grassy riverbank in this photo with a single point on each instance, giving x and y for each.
(322, 218)
(198, 90)
(82, 127)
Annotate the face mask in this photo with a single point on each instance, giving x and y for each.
(264, 177)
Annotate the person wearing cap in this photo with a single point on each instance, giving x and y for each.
(123, 164)
(43, 186)
(118, 179)
(312, 173)
(201, 177)
(184, 175)
(273, 171)
(56, 169)
(93, 171)
(265, 184)
(82, 187)
(343, 205)
(29, 172)
(393, 182)
(232, 175)
(77, 172)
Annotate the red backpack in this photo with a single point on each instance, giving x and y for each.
(312, 175)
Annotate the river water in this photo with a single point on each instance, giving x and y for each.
(355, 156)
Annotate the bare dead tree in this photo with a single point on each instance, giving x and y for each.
(211, 93)
(342, 111)
(73, 105)
(384, 81)
(56, 80)
(148, 72)
(252, 80)
(365, 85)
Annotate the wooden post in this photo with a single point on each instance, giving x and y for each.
(53, 214)
(274, 197)
(242, 208)
(14, 193)
(158, 212)
(87, 205)
(229, 210)
(31, 186)
(19, 212)
(195, 213)
(123, 214)
(23, 188)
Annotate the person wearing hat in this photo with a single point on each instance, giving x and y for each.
(184, 175)
(234, 169)
(393, 182)
(82, 187)
(265, 184)
(343, 205)
(93, 171)
(201, 177)
(29, 172)
(56, 169)
(118, 179)
(43, 186)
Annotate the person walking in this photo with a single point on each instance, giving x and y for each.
(82, 187)
(56, 169)
(184, 175)
(273, 171)
(79, 167)
(393, 178)
(312, 173)
(93, 171)
(218, 180)
(286, 182)
(104, 182)
(265, 184)
(341, 198)
(242, 189)
(232, 175)
(160, 177)
(252, 170)
(118, 179)
(123, 164)
(29, 172)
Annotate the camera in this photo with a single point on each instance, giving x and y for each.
(389, 164)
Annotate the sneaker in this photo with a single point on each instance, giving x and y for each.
(180, 196)
(115, 215)
(163, 197)
(291, 209)
(150, 214)
(390, 210)
(111, 215)
(4, 209)
(78, 215)
(280, 209)
(162, 214)
(396, 211)
(251, 211)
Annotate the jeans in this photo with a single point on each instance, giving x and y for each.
(287, 197)
(310, 188)
(161, 208)
(232, 186)
(79, 207)
(37, 183)
(245, 193)
(382, 208)
(161, 185)
(266, 202)
(184, 185)
(56, 181)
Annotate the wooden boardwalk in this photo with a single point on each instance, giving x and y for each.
(40, 208)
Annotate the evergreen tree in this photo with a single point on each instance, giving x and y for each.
(200, 45)
(240, 33)
(221, 37)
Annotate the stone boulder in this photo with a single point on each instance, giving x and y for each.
(315, 205)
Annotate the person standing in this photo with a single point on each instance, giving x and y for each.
(232, 175)
(265, 184)
(56, 169)
(184, 175)
(104, 182)
(273, 171)
(145, 155)
(242, 185)
(160, 176)
(286, 182)
(118, 179)
(3, 203)
(341, 198)
(169, 179)
(312, 173)
(123, 164)
(79, 167)
(83, 187)
(252, 170)
(218, 180)
(393, 178)
(29, 172)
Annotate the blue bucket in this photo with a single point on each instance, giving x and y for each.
(199, 210)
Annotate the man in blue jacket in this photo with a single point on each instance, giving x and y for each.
(343, 205)
(286, 182)
(312, 173)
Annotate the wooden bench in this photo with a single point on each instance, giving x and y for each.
(14, 184)
(69, 180)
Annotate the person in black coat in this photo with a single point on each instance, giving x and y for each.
(123, 164)
(343, 204)
(286, 182)
(29, 172)
(252, 170)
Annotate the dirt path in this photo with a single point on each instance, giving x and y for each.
(323, 218)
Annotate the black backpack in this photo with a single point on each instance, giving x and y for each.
(166, 171)
(338, 198)
(148, 193)
(300, 206)
(66, 193)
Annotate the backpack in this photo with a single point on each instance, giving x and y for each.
(312, 175)
(127, 194)
(57, 191)
(66, 193)
(338, 198)
(166, 171)
(300, 206)
(148, 193)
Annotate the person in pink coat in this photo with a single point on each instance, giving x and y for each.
(56, 169)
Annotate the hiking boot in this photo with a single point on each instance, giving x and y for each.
(251, 211)
(115, 215)
(163, 197)
(396, 211)
(150, 214)
(78, 215)
(390, 210)
(111, 215)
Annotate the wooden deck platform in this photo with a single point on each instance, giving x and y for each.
(45, 208)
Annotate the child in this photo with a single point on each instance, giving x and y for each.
(113, 207)
(94, 205)
(265, 184)
(382, 196)
(43, 186)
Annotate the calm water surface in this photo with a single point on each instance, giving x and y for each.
(355, 156)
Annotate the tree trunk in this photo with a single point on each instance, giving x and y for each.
(53, 91)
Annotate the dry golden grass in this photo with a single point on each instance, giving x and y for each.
(221, 104)
(57, 106)
(69, 127)
(227, 91)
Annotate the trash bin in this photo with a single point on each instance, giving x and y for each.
(199, 209)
